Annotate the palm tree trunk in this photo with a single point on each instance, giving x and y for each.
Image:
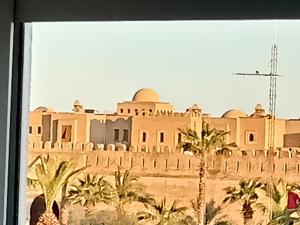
(64, 215)
(247, 213)
(247, 221)
(48, 218)
(201, 197)
(120, 209)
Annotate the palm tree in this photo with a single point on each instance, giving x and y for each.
(159, 214)
(128, 189)
(213, 214)
(285, 217)
(187, 220)
(51, 175)
(33, 181)
(89, 191)
(247, 193)
(64, 210)
(210, 139)
(279, 197)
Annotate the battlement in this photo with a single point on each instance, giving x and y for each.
(169, 114)
(165, 164)
(283, 152)
(69, 146)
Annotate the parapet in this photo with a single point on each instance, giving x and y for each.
(168, 114)
(162, 160)
(289, 153)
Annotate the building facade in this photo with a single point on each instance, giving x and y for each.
(147, 124)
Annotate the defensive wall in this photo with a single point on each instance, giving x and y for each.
(168, 163)
(174, 175)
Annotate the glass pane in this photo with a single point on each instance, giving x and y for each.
(193, 122)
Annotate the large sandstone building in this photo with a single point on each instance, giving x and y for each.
(142, 135)
(147, 124)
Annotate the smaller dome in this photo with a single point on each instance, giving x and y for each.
(41, 109)
(259, 111)
(259, 107)
(77, 106)
(77, 103)
(146, 95)
(234, 113)
(196, 106)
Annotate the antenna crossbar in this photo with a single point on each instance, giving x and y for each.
(257, 74)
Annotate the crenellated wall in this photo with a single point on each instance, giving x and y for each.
(167, 164)
(175, 175)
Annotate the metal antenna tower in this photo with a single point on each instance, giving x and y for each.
(271, 117)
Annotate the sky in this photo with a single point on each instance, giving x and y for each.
(185, 62)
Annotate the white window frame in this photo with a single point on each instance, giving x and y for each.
(14, 71)
(247, 137)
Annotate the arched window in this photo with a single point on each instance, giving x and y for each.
(251, 137)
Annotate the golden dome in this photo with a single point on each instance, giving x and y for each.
(146, 95)
(234, 113)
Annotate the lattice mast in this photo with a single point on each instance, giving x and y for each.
(271, 119)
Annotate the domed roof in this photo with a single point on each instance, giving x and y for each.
(196, 106)
(259, 107)
(234, 113)
(41, 109)
(76, 102)
(146, 95)
(259, 111)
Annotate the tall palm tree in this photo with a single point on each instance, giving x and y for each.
(128, 189)
(51, 175)
(90, 190)
(247, 193)
(279, 197)
(210, 140)
(160, 214)
(33, 182)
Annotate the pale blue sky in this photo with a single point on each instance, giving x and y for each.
(185, 62)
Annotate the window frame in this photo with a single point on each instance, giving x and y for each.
(15, 68)
(248, 134)
(116, 135)
(125, 135)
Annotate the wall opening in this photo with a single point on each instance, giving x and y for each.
(116, 134)
(144, 137)
(161, 137)
(125, 135)
(66, 133)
